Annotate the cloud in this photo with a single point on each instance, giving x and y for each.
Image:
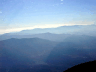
(85, 22)
(61, 0)
(26, 28)
(61, 3)
(0, 11)
(10, 29)
(93, 9)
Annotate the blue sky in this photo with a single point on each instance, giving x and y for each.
(16, 15)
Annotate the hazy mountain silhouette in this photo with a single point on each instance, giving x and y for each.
(32, 50)
(41, 55)
(75, 29)
(73, 51)
(47, 36)
(53, 34)
(61, 29)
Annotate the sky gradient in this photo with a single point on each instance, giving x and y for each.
(16, 15)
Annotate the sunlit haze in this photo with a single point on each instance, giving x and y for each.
(17, 15)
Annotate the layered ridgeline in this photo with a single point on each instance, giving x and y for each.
(72, 51)
(24, 51)
(80, 29)
(53, 34)
(48, 36)
(35, 54)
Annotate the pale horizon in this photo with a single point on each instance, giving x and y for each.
(17, 15)
(37, 26)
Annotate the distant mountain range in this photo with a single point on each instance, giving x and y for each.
(59, 30)
(53, 34)
(48, 36)
(35, 54)
(47, 50)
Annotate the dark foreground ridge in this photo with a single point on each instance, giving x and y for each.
(87, 66)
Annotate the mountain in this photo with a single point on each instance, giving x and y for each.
(35, 54)
(61, 29)
(87, 30)
(47, 36)
(73, 51)
(53, 34)
(24, 51)
(75, 29)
